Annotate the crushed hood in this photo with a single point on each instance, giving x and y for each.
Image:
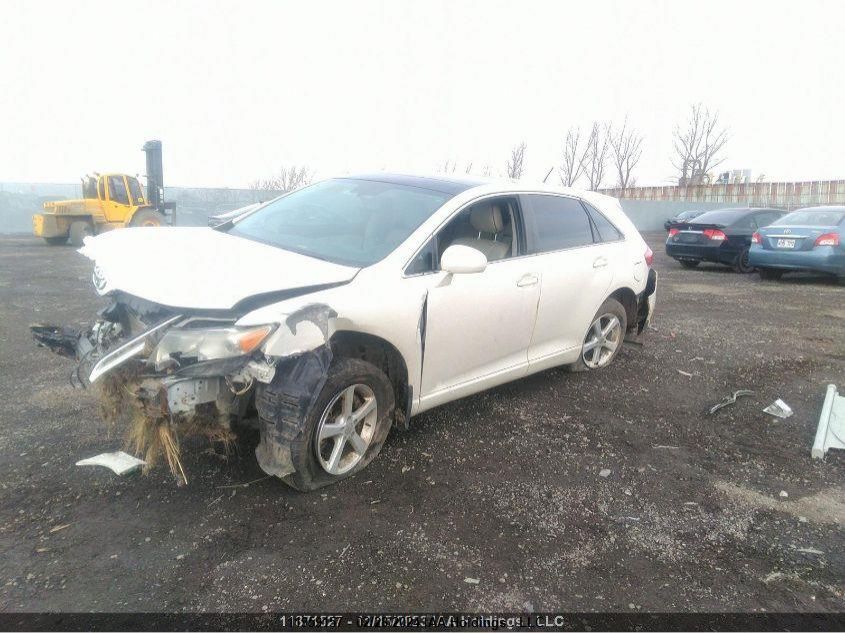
(200, 268)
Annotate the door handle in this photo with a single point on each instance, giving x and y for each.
(600, 262)
(528, 280)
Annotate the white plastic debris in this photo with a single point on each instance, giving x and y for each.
(831, 430)
(778, 409)
(119, 462)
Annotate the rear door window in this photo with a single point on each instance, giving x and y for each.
(557, 223)
(745, 222)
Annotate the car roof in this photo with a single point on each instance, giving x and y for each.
(442, 184)
(832, 208)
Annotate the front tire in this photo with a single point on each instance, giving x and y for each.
(79, 230)
(604, 337)
(345, 428)
(148, 217)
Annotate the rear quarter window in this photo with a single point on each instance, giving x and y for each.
(605, 230)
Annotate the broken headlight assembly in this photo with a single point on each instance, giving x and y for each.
(181, 346)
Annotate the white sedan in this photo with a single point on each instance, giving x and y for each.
(345, 307)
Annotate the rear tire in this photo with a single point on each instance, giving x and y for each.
(689, 263)
(741, 264)
(603, 338)
(770, 273)
(148, 217)
(312, 448)
(79, 230)
(57, 240)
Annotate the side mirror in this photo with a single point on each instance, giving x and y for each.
(459, 260)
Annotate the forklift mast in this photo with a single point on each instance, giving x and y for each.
(155, 173)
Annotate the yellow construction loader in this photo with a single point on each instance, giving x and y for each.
(109, 201)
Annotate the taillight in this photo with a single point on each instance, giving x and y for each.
(715, 234)
(673, 232)
(756, 239)
(828, 239)
(649, 257)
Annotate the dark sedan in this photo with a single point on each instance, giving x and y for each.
(805, 240)
(722, 236)
(683, 216)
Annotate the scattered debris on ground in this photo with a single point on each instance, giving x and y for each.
(740, 393)
(119, 462)
(779, 409)
(830, 432)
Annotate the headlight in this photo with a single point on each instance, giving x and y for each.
(208, 343)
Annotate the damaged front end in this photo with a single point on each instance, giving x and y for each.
(165, 374)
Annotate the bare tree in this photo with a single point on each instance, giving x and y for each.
(573, 158)
(487, 170)
(516, 163)
(287, 179)
(697, 145)
(450, 166)
(595, 158)
(625, 152)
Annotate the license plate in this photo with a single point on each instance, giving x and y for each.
(786, 244)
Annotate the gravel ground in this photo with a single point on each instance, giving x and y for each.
(494, 502)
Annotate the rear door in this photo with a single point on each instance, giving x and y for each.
(575, 273)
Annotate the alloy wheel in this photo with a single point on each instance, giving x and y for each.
(346, 429)
(602, 340)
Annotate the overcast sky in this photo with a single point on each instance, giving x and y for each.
(237, 89)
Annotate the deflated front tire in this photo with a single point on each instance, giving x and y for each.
(332, 437)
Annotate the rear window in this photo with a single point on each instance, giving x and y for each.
(720, 216)
(812, 218)
(688, 215)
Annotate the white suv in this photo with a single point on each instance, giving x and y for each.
(340, 309)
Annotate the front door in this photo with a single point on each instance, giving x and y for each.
(478, 325)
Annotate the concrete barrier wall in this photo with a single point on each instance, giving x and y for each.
(784, 195)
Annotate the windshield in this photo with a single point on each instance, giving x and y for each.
(346, 221)
(813, 217)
